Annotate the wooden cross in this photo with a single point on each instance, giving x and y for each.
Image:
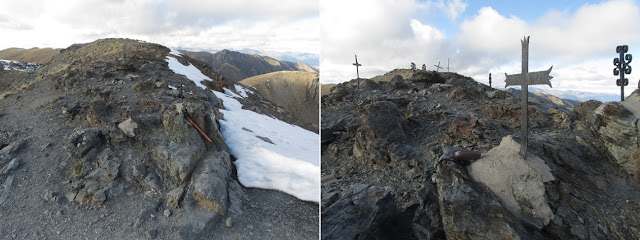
(437, 66)
(525, 79)
(357, 70)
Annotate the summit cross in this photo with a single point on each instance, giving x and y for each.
(525, 79)
(357, 70)
(437, 67)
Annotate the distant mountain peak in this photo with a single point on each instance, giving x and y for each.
(236, 66)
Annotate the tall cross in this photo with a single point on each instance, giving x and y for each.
(357, 70)
(525, 79)
(437, 66)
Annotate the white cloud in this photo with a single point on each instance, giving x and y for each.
(425, 33)
(592, 31)
(283, 25)
(383, 34)
(491, 33)
(453, 8)
(590, 75)
(580, 45)
(225, 10)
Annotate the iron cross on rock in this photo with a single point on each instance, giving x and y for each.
(357, 71)
(437, 66)
(525, 79)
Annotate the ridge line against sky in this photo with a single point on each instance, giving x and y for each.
(266, 25)
(577, 38)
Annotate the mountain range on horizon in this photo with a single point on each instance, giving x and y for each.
(310, 59)
(236, 66)
(42, 55)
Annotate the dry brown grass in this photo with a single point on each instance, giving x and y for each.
(33, 55)
(326, 88)
(17, 89)
(207, 203)
(405, 73)
(296, 91)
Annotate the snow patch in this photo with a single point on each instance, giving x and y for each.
(231, 93)
(175, 52)
(19, 66)
(289, 164)
(172, 87)
(190, 71)
(242, 90)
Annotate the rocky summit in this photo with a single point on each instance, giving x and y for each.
(99, 143)
(389, 171)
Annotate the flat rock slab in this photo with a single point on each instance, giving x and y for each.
(519, 183)
(632, 103)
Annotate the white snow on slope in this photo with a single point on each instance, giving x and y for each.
(242, 90)
(291, 163)
(175, 52)
(19, 66)
(231, 93)
(5, 64)
(189, 71)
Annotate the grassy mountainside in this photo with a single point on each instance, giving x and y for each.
(236, 66)
(295, 91)
(326, 88)
(33, 55)
(404, 73)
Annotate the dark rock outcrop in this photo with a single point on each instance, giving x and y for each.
(391, 137)
(364, 207)
(105, 128)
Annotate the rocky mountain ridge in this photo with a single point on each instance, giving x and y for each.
(388, 169)
(235, 66)
(113, 151)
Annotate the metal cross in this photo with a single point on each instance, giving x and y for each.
(489, 79)
(437, 66)
(525, 79)
(357, 70)
(622, 68)
(447, 64)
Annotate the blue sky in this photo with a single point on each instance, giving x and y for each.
(526, 10)
(578, 38)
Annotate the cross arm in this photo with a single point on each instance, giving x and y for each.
(535, 78)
